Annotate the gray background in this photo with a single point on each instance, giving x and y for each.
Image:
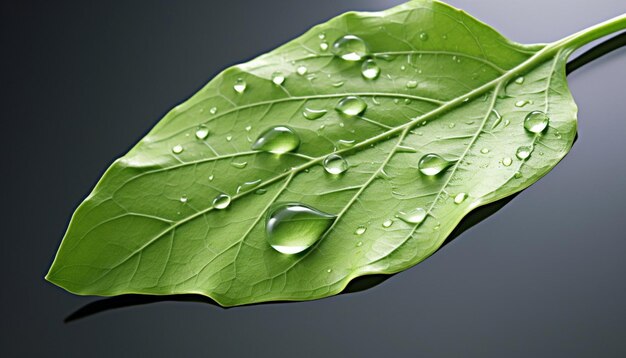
(82, 82)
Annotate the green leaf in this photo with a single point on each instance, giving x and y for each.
(185, 210)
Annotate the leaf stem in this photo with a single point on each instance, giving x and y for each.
(583, 37)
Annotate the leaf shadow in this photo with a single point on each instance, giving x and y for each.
(360, 283)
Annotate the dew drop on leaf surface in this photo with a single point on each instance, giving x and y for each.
(460, 197)
(350, 48)
(433, 164)
(335, 164)
(536, 121)
(351, 106)
(278, 78)
(415, 216)
(523, 152)
(177, 149)
(202, 132)
(240, 85)
(312, 114)
(222, 201)
(370, 69)
(291, 228)
(277, 140)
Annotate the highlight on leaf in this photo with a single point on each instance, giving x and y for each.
(354, 149)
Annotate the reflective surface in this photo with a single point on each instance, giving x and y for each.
(543, 276)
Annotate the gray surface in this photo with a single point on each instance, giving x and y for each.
(81, 83)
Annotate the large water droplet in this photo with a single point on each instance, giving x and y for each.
(351, 106)
(459, 198)
(335, 164)
(177, 149)
(221, 201)
(523, 152)
(312, 114)
(277, 140)
(350, 48)
(202, 132)
(240, 85)
(415, 216)
(278, 78)
(370, 69)
(293, 227)
(433, 164)
(536, 121)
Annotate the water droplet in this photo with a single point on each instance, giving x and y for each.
(260, 191)
(183, 199)
(247, 186)
(522, 103)
(202, 132)
(323, 45)
(370, 69)
(351, 106)
(221, 201)
(350, 48)
(177, 149)
(321, 36)
(211, 177)
(423, 36)
(451, 125)
(302, 70)
(359, 244)
(536, 121)
(329, 270)
(459, 198)
(338, 84)
(312, 114)
(433, 164)
(240, 85)
(277, 140)
(213, 110)
(229, 138)
(278, 78)
(523, 152)
(415, 216)
(239, 165)
(387, 223)
(519, 80)
(293, 227)
(360, 230)
(517, 175)
(402, 68)
(507, 162)
(248, 128)
(335, 164)
(411, 84)
(484, 150)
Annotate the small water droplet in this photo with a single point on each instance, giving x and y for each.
(411, 84)
(360, 230)
(183, 199)
(335, 164)
(415, 216)
(240, 85)
(517, 175)
(484, 150)
(177, 149)
(322, 35)
(536, 121)
(519, 80)
(507, 161)
(350, 48)
(211, 177)
(338, 84)
(523, 152)
(294, 227)
(247, 186)
(202, 132)
(459, 198)
(359, 244)
(323, 45)
(522, 103)
(222, 201)
(403, 68)
(312, 114)
(277, 140)
(229, 138)
(302, 70)
(329, 270)
(423, 36)
(260, 191)
(387, 223)
(213, 110)
(433, 164)
(239, 165)
(351, 106)
(370, 69)
(278, 78)
(451, 125)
